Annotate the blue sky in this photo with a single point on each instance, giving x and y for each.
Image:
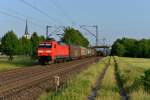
(115, 18)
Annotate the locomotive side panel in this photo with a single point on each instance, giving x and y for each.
(62, 51)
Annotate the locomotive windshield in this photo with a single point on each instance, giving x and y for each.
(45, 46)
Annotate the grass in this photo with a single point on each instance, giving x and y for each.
(131, 70)
(80, 86)
(18, 61)
(108, 89)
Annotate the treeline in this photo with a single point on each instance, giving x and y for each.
(131, 48)
(75, 37)
(12, 45)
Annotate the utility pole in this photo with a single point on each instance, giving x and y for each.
(104, 39)
(94, 34)
(47, 27)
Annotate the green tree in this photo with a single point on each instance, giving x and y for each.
(131, 47)
(9, 44)
(41, 38)
(34, 44)
(24, 46)
(143, 48)
(0, 47)
(118, 48)
(75, 37)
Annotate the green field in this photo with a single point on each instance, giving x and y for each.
(79, 87)
(18, 62)
(130, 69)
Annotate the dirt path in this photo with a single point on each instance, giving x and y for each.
(122, 91)
(98, 83)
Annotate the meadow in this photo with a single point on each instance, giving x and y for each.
(79, 87)
(18, 62)
(130, 70)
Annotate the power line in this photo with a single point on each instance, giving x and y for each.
(56, 30)
(58, 6)
(23, 15)
(93, 34)
(18, 18)
(39, 10)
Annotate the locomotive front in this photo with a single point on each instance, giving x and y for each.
(45, 52)
(51, 51)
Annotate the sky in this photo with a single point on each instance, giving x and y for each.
(115, 18)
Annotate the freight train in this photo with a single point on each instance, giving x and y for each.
(53, 51)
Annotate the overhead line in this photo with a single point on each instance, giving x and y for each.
(18, 18)
(39, 10)
(58, 6)
(23, 15)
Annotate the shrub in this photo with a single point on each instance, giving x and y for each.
(146, 80)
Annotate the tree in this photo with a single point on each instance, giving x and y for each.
(9, 44)
(118, 49)
(0, 48)
(41, 38)
(34, 44)
(0, 45)
(75, 37)
(143, 48)
(24, 46)
(131, 47)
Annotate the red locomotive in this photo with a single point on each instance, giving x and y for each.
(52, 51)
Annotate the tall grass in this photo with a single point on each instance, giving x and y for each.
(131, 71)
(79, 87)
(108, 89)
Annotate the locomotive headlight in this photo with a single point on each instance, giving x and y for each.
(40, 51)
(48, 51)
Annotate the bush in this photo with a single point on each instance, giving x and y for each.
(146, 80)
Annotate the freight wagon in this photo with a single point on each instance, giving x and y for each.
(52, 51)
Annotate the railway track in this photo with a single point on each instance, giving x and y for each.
(28, 83)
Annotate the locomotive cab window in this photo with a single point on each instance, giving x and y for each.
(45, 46)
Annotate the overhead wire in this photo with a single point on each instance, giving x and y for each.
(64, 13)
(26, 16)
(40, 11)
(21, 15)
(19, 18)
